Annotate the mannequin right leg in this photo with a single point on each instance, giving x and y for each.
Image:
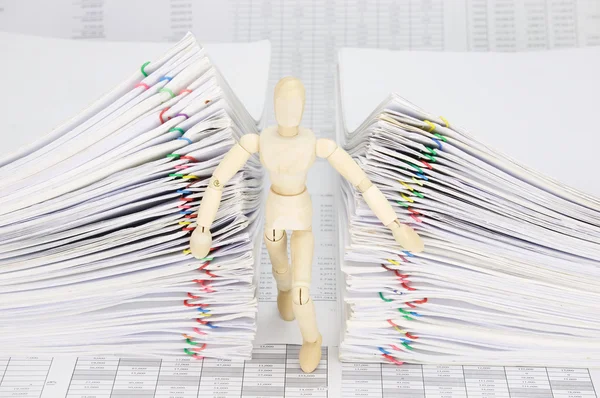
(302, 248)
(276, 243)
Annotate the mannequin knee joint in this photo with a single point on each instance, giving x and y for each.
(274, 235)
(300, 295)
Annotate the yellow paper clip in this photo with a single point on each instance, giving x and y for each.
(406, 185)
(431, 125)
(398, 329)
(417, 181)
(187, 251)
(406, 198)
(445, 121)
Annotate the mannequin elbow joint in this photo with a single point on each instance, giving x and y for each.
(364, 185)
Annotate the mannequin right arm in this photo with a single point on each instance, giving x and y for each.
(233, 161)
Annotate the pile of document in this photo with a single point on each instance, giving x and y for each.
(96, 216)
(511, 268)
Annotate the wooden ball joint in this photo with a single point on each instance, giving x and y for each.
(288, 151)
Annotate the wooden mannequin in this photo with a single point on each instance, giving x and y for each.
(287, 151)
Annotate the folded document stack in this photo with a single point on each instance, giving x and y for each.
(95, 220)
(511, 268)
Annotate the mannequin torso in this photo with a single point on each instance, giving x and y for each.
(287, 159)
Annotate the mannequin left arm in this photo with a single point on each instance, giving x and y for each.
(352, 172)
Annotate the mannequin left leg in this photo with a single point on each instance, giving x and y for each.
(302, 249)
(276, 243)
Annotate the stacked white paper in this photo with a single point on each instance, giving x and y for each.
(95, 220)
(510, 274)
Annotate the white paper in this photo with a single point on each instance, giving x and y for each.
(275, 370)
(305, 34)
(304, 37)
(272, 372)
(488, 208)
(520, 103)
(57, 78)
(141, 286)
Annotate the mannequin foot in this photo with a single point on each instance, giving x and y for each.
(310, 355)
(284, 305)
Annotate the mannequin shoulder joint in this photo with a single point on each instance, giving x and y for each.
(250, 142)
(325, 147)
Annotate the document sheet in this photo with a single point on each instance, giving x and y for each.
(273, 372)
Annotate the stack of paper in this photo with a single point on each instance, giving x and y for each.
(511, 268)
(95, 220)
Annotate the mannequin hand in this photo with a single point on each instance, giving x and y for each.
(407, 237)
(200, 242)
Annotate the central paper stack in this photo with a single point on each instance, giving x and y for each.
(510, 274)
(95, 220)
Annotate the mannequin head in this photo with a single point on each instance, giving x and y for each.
(289, 105)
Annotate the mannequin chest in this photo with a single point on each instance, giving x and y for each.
(287, 155)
